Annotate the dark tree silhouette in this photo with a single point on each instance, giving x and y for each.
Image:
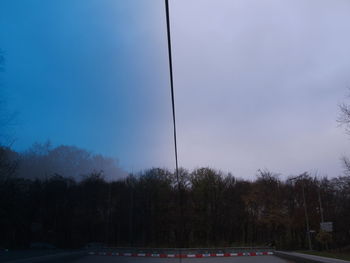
(141, 210)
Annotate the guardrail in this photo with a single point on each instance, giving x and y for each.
(183, 252)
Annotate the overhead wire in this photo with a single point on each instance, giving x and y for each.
(174, 116)
(172, 86)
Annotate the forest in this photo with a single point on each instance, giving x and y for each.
(207, 208)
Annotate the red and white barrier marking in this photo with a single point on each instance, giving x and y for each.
(258, 253)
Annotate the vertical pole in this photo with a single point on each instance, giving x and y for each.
(320, 202)
(306, 218)
(131, 216)
(321, 209)
(109, 221)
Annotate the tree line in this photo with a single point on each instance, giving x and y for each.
(150, 209)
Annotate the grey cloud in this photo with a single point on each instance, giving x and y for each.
(258, 83)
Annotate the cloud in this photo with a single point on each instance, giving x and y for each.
(258, 83)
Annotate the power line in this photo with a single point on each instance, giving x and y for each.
(174, 120)
(172, 86)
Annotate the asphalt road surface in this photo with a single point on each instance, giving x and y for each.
(246, 259)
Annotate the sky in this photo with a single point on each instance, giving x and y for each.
(257, 82)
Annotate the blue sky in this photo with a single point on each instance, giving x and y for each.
(88, 73)
(257, 83)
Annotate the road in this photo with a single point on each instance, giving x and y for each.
(116, 259)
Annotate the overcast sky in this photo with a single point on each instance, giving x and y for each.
(257, 82)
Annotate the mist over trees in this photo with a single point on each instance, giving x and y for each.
(43, 160)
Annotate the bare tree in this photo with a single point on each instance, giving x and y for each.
(344, 120)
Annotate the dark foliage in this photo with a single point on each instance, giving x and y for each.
(142, 210)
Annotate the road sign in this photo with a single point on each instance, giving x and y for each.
(326, 226)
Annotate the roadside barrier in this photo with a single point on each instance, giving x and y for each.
(197, 255)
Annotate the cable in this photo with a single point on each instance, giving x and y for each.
(172, 85)
(173, 109)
